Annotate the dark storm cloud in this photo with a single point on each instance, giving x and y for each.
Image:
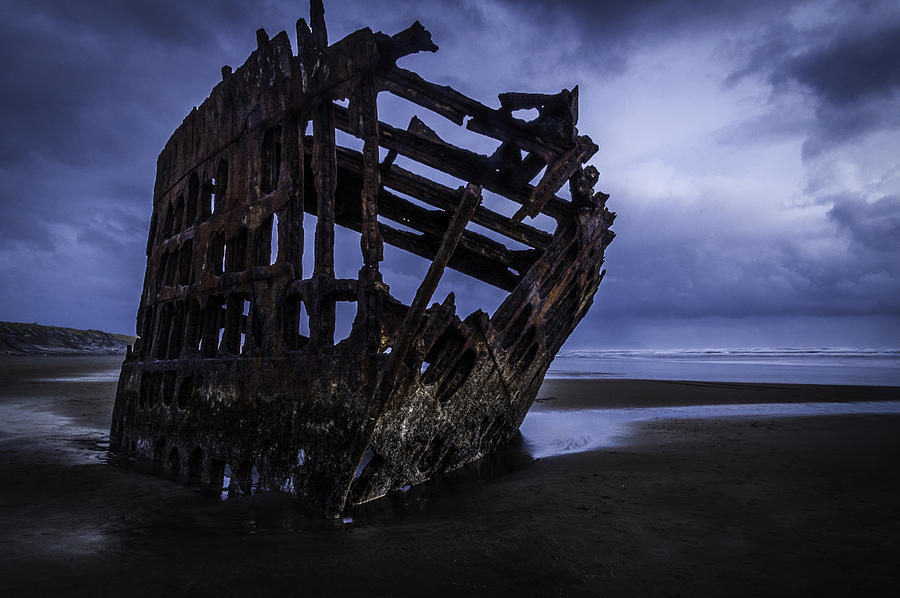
(610, 32)
(854, 68)
(736, 278)
(874, 225)
(847, 66)
(615, 20)
(856, 82)
(93, 89)
(842, 59)
(80, 109)
(71, 64)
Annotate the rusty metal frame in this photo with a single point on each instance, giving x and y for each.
(220, 375)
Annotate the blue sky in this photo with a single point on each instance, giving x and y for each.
(751, 151)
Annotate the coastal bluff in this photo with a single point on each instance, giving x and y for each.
(17, 338)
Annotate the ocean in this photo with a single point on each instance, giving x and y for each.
(873, 367)
(868, 367)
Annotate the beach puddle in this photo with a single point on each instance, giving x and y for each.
(550, 433)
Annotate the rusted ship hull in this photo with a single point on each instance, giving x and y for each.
(222, 382)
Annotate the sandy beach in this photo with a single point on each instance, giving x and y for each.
(712, 506)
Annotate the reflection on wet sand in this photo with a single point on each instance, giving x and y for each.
(56, 435)
(102, 376)
(551, 433)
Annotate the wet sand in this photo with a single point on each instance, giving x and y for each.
(714, 506)
(616, 393)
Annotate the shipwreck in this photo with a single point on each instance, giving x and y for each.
(236, 380)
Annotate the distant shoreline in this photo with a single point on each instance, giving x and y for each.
(23, 339)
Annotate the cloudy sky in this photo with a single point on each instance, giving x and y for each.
(751, 149)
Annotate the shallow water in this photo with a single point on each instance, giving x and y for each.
(99, 376)
(551, 433)
(24, 426)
